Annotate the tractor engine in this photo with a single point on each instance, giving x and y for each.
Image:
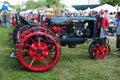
(70, 29)
(76, 28)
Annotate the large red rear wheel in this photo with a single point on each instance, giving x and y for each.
(39, 50)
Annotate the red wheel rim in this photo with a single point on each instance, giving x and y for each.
(38, 55)
(100, 51)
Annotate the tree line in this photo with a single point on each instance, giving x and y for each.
(111, 2)
(31, 4)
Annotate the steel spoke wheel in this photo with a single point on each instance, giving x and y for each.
(90, 49)
(99, 51)
(38, 52)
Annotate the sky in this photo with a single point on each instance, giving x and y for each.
(15, 2)
(68, 2)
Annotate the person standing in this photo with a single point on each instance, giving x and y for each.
(7, 18)
(118, 33)
(0, 19)
(62, 14)
(104, 24)
(118, 24)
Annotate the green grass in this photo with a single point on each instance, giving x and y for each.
(74, 64)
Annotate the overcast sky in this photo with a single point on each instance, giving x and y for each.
(68, 2)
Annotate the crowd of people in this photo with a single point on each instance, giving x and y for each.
(118, 33)
(7, 18)
(104, 15)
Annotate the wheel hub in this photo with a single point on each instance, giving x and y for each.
(39, 51)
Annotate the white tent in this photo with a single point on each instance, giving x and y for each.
(70, 9)
(108, 7)
(117, 8)
(88, 9)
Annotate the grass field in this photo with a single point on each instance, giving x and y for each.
(74, 64)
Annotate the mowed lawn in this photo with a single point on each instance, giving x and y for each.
(74, 64)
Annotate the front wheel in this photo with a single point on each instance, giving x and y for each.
(99, 51)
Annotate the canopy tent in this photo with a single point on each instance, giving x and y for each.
(108, 7)
(84, 7)
(5, 7)
(117, 8)
(88, 9)
(70, 9)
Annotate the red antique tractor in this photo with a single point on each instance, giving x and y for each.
(38, 49)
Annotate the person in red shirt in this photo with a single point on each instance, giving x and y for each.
(35, 18)
(104, 24)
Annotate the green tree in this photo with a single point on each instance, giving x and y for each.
(111, 2)
(56, 9)
(41, 3)
(17, 8)
(30, 4)
(52, 2)
(6, 2)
